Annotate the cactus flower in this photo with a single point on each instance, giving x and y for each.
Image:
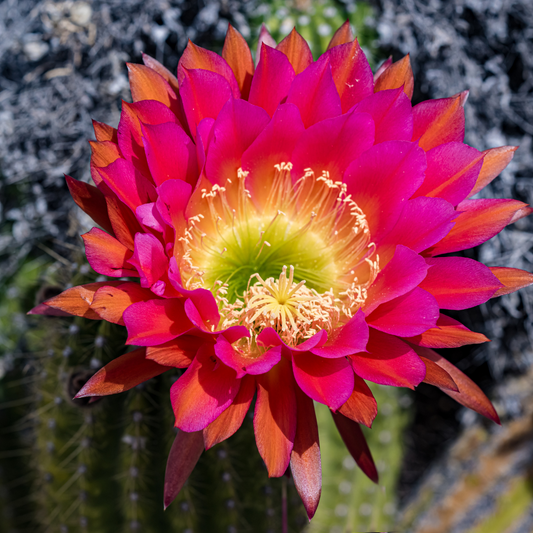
(283, 231)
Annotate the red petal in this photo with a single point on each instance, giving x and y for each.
(398, 74)
(494, 161)
(448, 333)
(178, 353)
(267, 39)
(295, 47)
(125, 224)
(361, 407)
(205, 390)
(328, 381)
(184, 455)
(477, 222)
(122, 374)
(436, 375)
(459, 282)
(512, 279)
(238, 56)
(389, 361)
(469, 395)
(275, 417)
(156, 321)
(439, 121)
(355, 441)
(306, 466)
(342, 36)
(272, 79)
(106, 255)
(43, 309)
(90, 200)
(231, 419)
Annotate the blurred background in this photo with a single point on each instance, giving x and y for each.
(75, 467)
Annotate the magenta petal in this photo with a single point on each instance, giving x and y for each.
(392, 114)
(315, 94)
(328, 381)
(402, 274)
(416, 311)
(459, 282)
(204, 94)
(382, 179)
(274, 145)
(155, 321)
(149, 216)
(204, 134)
(423, 222)
(235, 129)
(246, 365)
(333, 144)
(269, 337)
(389, 361)
(182, 459)
(234, 333)
(452, 172)
(149, 259)
(203, 392)
(272, 79)
(170, 153)
(347, 339)
(128, 183)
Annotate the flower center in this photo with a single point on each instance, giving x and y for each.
(239, 246)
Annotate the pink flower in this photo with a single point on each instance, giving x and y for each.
(285, 223)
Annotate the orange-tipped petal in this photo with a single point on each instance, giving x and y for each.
(355, 441)
(231, 419)
(77, 300)
(449, 333)
(361, 407)
(43, 309)
(103, 132)
(382, 68)
(264, 37)
(342, 36)
(110, 302)
(91, 200)
(275, 417)
(125, 224)
(436, 375)
(295, 47)
(469, 394)
(494, 161)
(306, 466)
(237, 54)
(122, 374)
(162, 71)
(397, 75)
(178, 353)
(512, 279)
(182, 459)
(104, 153)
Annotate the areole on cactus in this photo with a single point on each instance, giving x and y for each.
(285, 222)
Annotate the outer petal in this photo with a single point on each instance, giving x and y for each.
(392, 114)
(184, 455)
(156, 321)
(328, 381)
(103, 153)
(205, 390)
(106, 255)
(178, 353)
(477, 222)
(383, 179)
(437, 376)
(124, 222)
(264, 38)
(459, 282)
(439, 121)
(275, 417)
(361, 407)
(397, 75)
(103, 132)
(122, 374)
(448, 333)
(295, 47)
(355, 441)
(494, 161)
(306, 466)
(469, 395)
(315, 94)
(238, 56)
(246, 365)
(272, 79)
(231, 419)
(342, 35)
(512, 279)
(389, 361)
